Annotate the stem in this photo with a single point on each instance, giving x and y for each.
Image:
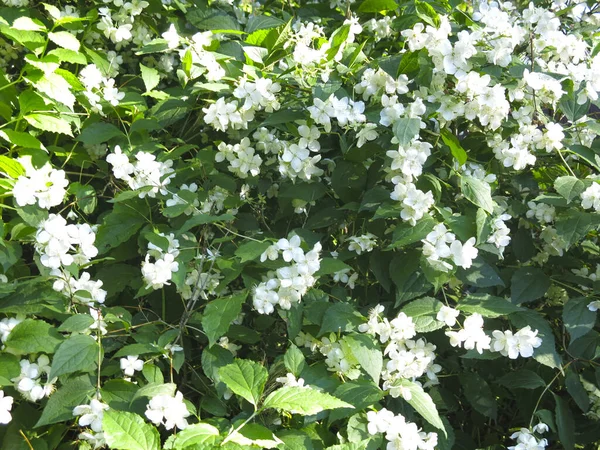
(230, 435)
(26, 440)
(546, 390)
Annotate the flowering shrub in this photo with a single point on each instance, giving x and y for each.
(296, 225)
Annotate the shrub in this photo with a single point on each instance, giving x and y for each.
(342, 225)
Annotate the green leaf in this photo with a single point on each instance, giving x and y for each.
(153, 374)
(199, 435)
(57, 88)
(85, 196)
(453, 143)
(406, 234)
(423, 312)
(294, 360)
(9, 368)
(305, 401)
(21, 139)
(576, 390)
(46, 122)
(219, 314)
(150, 76)
(367, 353)
(72, 393)
(11, 167)
(128, 431)
(33, 336)
(359, 393)
(330, 266)
(69, 56)
(565, 423)
(528, 284)
(479, 394)
(409, 283)
(118, 394)
(480, 274)
(406, 130)
(487, 305)
(79, 353)
(137, 349)
(99, 132)
(152, 389)
(65, 39)
(294, 440)
(28, 24)
(212, 19)
(340, 317)
(251, 250)
(477, 192)
(577, 318)
(422, 403)
(262, 22)
(569, 187)
(255, 435)
(202, 219)
(375, 6)
(522, 379)
(572, 109)
(120, 224)
(574, 225)
(245, 378)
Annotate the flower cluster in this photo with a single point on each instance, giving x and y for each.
(99, 88)
(84, 290)
(471, 336)
(441, 245)
(409, 359)
(29, 383)
(400, 433)
(526, 438)
(288, 284)
(159, 272)
(61, 244)
(147, 174)
(45, 186)
(522, 343)
(91, 416)
(168, 410)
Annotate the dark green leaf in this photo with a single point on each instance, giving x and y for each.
(79, 353)
(577, 318)
(528, 284)
(219, 314)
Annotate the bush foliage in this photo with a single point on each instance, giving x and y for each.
(299, 225)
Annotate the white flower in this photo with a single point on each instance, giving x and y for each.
(172, 37)
(364, 243)
(6, 403)
(6, 326)
(379, 421)
(169, 411)
(290, 381)
(594, 306)
(447, 315)
(131, 364)
(591, 197)
(91, 415)
(463, 254)
(472, 335)
(45, 186)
